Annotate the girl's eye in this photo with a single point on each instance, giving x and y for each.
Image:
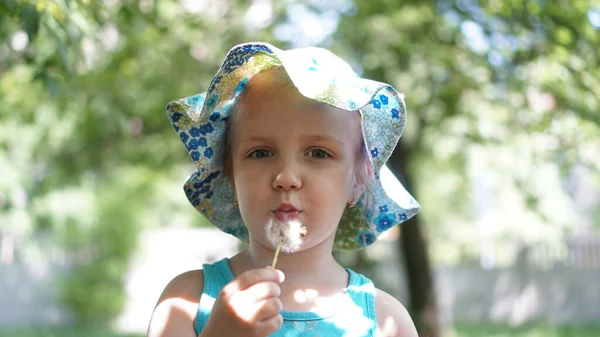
(318, 153)
(260, 153)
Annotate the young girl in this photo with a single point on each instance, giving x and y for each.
(289, 146)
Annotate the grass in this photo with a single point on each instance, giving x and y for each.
(532, 330)
(65, 332)
(460, 330)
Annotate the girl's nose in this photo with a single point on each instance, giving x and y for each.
(288, 178)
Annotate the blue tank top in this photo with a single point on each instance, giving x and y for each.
(353, 316)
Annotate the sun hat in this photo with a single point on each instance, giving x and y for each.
(318, 74)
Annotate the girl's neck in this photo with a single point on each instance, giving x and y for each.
(312, 276)
(311, 267)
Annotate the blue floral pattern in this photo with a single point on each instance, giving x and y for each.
(376, 103)
(374, 152)
(201, 122)
(384, 99)
(385, 220)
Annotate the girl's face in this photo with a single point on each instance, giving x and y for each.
(289, 154)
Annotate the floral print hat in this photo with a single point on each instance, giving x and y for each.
(201, 122)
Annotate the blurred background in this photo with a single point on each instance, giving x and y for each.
(502, 149)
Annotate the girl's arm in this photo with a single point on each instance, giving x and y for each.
(392, 318)
(177, 306)
(247, 306)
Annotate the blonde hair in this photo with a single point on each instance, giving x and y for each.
(276, 79)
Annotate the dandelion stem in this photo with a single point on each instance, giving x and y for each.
(276, 255)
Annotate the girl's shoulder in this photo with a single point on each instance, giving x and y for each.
(187, 285)
(178, 303)
(392, 317)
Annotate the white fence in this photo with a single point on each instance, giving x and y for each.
(516, 295)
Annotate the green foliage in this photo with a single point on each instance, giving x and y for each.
(66, 332)
(596, 219)
(459, 330)
(501, 90)
(531, 330)
(88, 157)
(503, 101)
(94, 291)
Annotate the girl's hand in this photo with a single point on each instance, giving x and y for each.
(248, 306)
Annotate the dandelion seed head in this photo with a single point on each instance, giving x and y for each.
(290, 234)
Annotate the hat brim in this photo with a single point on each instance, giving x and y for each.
(201, 122)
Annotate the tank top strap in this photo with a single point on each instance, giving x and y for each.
(362, 291)
(355, 316)
(361, 287)
(216, 276)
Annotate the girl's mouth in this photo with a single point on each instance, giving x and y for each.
(284, 216)
(286, 212)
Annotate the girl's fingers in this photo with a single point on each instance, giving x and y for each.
(262, 291)
(268, 310)
(254, 276)
(270, 324)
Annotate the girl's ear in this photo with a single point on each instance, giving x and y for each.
(228, 169)
(231, 183)
(357, 189)
(355, 195)
(368, 170)
(363, 176)
(364, 173)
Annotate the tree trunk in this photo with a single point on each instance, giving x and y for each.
(413, 248)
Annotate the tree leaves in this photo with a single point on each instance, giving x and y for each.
(30, 18)
(509, 71)
(83, 114)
